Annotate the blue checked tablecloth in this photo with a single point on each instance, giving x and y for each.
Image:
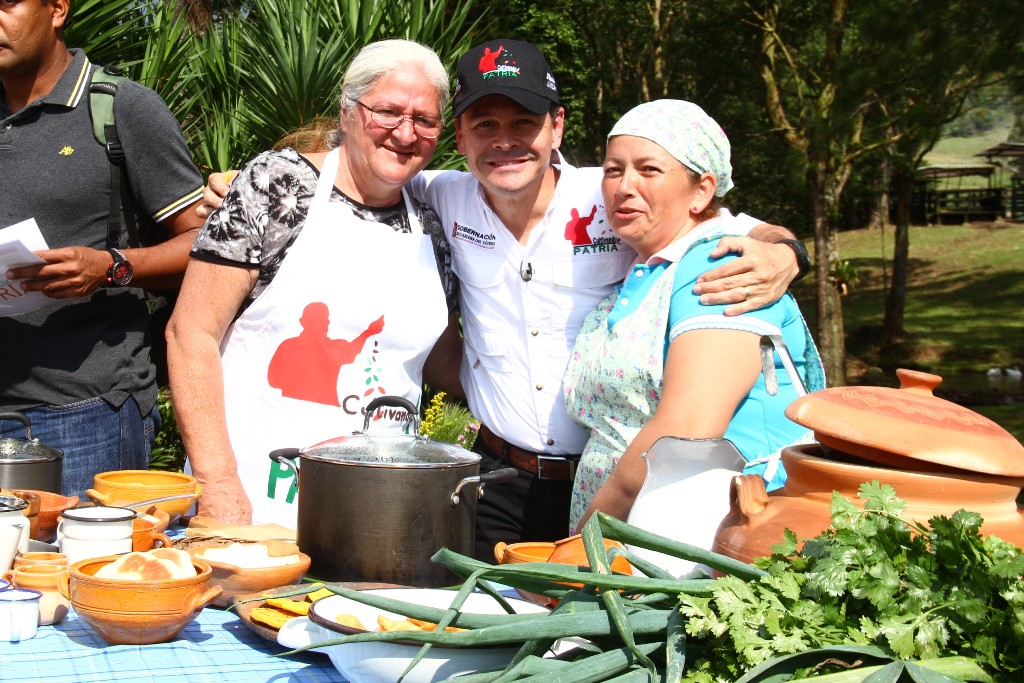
(215, 648)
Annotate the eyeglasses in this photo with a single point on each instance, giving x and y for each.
(425, 126)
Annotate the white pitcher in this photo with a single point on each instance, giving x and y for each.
(685, 495)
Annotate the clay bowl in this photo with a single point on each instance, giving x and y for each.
(50, 506)
(129, 486)
(32, 511)
(566, 551)
(235, 580)
(137, 612)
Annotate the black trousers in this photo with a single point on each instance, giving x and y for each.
(524, 509)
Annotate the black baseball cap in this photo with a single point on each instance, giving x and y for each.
(513, 68)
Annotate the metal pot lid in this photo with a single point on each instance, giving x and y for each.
(908, 428)
(391, 450)
(27, 450)
(12, 504)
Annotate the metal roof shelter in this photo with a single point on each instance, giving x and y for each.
(1003, 149)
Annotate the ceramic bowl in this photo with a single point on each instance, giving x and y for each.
(32, 511)
(385, 662)
(235, 580)
(566, 551)
(128, 486)
(137, 612)
(51, 505)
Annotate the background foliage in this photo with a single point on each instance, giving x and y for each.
(239, 74)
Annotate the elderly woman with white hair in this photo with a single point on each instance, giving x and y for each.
(651, 361)
(318, 285)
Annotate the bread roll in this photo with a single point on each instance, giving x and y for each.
(154, 565)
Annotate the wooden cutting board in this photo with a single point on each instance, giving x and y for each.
(208, 527)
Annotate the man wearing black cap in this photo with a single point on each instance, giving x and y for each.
(535, 254)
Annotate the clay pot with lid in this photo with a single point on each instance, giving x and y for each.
(939, 457)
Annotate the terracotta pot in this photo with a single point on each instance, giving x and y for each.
(235, 580)
(45, 578)
(41, 557)
(51, 505)
(940, 458)
(124, 487)
(137, 612)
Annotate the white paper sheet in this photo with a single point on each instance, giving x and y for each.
(17, 244)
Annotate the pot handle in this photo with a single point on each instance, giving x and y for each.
(101, 498)
(209, 595)
(19, 417)
(163, 539)
(393, 402)
(499, 551)
(286, 457)
(748, 496)
(504, 474)
(64, 584)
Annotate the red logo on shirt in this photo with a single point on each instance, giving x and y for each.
(577, 229)
(306, 367)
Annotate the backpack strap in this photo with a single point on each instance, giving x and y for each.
(102, 90)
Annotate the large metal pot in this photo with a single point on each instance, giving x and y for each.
(377, 507)
(26, 463)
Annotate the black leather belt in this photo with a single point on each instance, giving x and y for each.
(553, 467)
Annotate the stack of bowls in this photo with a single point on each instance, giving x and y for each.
(124, 487)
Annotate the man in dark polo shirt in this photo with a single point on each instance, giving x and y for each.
(80, 366)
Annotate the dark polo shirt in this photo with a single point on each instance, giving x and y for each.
(55, 171)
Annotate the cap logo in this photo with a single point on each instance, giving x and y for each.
(490, 68)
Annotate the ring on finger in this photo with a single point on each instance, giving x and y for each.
(746, 293)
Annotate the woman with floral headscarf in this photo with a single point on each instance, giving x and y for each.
(651, 361)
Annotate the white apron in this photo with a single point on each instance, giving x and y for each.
(351, 315)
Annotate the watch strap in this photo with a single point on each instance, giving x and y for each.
(803, 259)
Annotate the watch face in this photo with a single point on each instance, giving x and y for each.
(121, 273)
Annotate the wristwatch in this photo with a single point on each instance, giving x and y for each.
(120, 272)
(803, 261)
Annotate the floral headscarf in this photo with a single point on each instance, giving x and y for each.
(686, 132)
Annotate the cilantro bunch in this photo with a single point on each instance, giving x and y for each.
(906, 590)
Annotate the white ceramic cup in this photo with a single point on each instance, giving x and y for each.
(10, 543)
(19, 614)
(78, 549)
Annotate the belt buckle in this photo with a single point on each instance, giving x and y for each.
(570, 463)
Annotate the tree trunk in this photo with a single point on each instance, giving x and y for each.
(895, 302)
(831, 334)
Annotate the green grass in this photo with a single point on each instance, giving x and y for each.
(963, 314)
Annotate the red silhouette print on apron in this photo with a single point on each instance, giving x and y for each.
(306, 367)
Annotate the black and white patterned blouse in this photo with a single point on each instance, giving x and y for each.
(266, 208)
